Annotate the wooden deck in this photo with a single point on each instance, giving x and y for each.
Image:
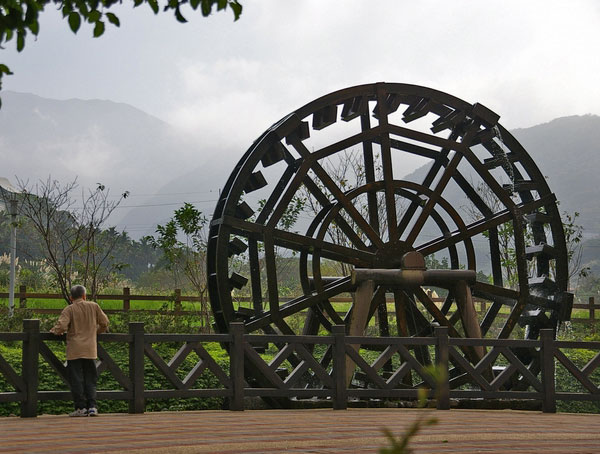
(302, 431)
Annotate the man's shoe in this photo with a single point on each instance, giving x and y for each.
(92, 411)
(79, 412)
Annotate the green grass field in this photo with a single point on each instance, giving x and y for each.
(35, 303)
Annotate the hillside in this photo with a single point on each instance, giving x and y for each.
(96, 141)
(127, 149)
(567, 151)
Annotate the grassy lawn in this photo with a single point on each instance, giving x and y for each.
(168, 305)
(34, 303)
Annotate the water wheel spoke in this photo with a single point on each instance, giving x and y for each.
(348, 206)
(425, 152)
(495, 293)
(479, 226)
(271, 268)
(254, 262)
(301, 303)
(386, 162)
(366, 135)
(488, 178)
(423, 137)
(440, 158)
(490, 316)
(354, 238)
(513, 317)
(276, 194)
(435, 312)
(433, 199)
(299, 243)
(337, 193)
(369, 163)
(285, 199)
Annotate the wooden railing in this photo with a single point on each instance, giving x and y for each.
(590, 307)
(397, 371)
(176, 298)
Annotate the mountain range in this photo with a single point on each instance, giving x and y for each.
(126, 149)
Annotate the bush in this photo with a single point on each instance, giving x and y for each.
(565, 381)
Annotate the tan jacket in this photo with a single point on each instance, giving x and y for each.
(81, 320)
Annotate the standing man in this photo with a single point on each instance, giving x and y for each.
(82, 320)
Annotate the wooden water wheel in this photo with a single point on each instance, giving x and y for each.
(480, 198)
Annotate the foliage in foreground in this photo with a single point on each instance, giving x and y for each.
(20, 17)
(400, 445)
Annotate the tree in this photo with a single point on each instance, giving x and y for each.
(71, 237)
(186, 258)
(574, 241)
(20, 17)
(347, 171)
(506, 238)
(288, 281)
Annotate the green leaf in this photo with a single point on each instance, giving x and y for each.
(66, 10)
(20, 40)
(4, 70)
(74, 21)
(237, 9)
(31, 13)
(154, 5)
(113, 19)
(34, 27)
(194, 3)
(94, 16)
(98, 29)
(179, 16)
(83, 8)
(206, 7)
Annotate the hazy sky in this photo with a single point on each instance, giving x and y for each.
(530, 61)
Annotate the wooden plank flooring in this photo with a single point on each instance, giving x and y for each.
(302, 431)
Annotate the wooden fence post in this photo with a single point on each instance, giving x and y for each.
(592, 309)
(548, 369)
(177, 300)
(236, 366)
(126, 299)
(30, 364)
(441, 362)
(340, 398)
(136, 367)
(22, 299)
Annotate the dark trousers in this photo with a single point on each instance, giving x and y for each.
(83, 377)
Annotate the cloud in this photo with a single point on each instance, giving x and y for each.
(229, 103)
(87, 154)
(228, 81)
(526, 62)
